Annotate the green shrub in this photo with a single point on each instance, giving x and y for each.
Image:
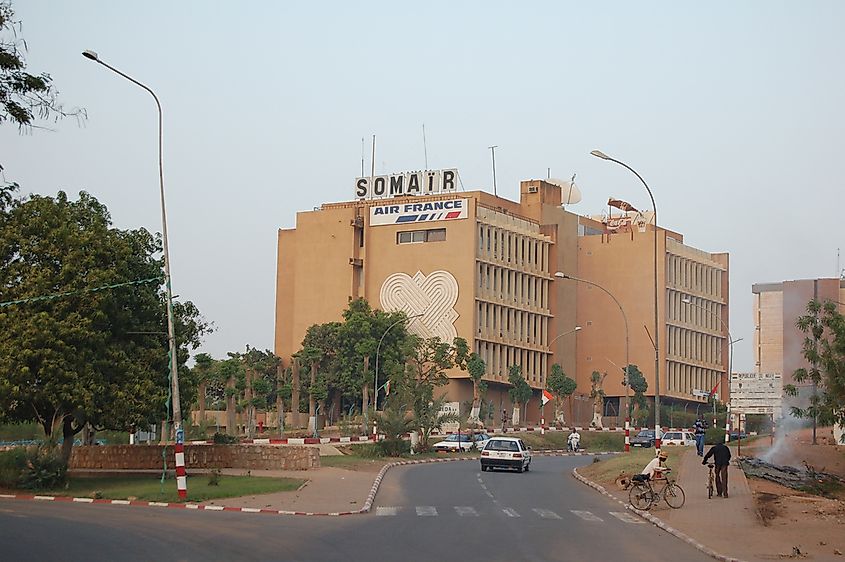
(369, 450)
(44, 469)
(12, 462)
(394, 447)
(713, 435)
(224, 439)
(214, 477)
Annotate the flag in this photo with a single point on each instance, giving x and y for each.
(387, 388)
(712, 392)
(546, 396)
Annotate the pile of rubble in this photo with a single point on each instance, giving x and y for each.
(806, 479)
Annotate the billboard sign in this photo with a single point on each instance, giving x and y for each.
(406, 213)
(756, 393)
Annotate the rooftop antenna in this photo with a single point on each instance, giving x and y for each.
(548, 173)
(362, 157)
(493, 154)
(425, 148)
(373, 161)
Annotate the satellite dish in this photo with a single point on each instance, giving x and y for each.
(569, 192)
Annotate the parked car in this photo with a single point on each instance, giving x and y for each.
(682, 438)
(462, 441)
(506, 452)
(737, 435)
(644, 438)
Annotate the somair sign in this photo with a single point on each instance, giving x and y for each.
(406, 213)
(420, 182)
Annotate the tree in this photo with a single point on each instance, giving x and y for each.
(639, 404)
(318, 350)
(562, 386)
(597, 396)
(520, 393)
(24, 97)
(83, 323)
(476, 368)
(824, 350)
(428, 359)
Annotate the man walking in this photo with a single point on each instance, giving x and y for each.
(700, 428)
(721, 458)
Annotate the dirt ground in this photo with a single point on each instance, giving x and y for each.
(803, 520)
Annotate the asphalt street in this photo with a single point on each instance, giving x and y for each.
(443, 511)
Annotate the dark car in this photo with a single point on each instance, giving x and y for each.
(644, 438)
(738, 435)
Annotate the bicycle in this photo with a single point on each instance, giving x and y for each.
(643, 496)
(710, 481)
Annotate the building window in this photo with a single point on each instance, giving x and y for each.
(414, 236)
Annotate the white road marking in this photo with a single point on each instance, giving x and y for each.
(426, 511)
(510, 512)
(466, 511)
(626, 517)
(586, 515)
(387, 510)
(546, 514)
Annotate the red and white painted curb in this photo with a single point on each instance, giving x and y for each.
(368, 504)
(657, 521)
(292, 441)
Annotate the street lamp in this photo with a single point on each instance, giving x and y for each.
(181, 479)
(731, 342)
(378, 349)
(627, 382)
(603, 156)
(543, 391)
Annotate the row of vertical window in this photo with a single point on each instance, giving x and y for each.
(513, 287)
(498, 359)
(696, 346)
(703, 313)
(518, 250)
(415, 236)
(702, 278)
(496, 321)
(683, 379)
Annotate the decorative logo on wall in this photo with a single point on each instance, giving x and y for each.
(434, 296)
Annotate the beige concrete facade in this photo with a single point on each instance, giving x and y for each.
(489, 278)
(776, 308)
(693, 336)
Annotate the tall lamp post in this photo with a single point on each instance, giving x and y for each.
(603, 156)
(731, 342)
(542, 392)
(627, 381)
(181, 479)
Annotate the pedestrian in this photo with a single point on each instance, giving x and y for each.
(721, 459)
(504, 419)
(654, 469)
(700, 428)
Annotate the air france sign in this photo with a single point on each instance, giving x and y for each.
(425, 182)
(406, 213)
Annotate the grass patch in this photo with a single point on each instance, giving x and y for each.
(606, 471)
(591, 441)
(151, 489)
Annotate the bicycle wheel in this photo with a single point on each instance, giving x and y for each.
(674, 495)
(640, 497)
(710, 489)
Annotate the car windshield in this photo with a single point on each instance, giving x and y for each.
(500, 445)
(645, 434)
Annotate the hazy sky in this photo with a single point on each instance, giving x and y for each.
(732, 111)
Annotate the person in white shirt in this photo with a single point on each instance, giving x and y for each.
(656, 465)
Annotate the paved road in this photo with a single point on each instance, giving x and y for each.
(448, 511)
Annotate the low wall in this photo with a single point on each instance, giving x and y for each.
(148, 457)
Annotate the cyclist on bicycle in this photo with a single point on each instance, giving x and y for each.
(574, 441)
(655, 466)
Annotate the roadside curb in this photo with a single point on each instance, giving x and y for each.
(657, 521)
(368, 504)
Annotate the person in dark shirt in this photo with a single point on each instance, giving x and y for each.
(700, 428)
(721, 458)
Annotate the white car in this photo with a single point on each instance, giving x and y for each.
(506, 452)
(462, 441)
(682, 438)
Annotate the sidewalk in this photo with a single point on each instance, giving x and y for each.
(728, 525)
